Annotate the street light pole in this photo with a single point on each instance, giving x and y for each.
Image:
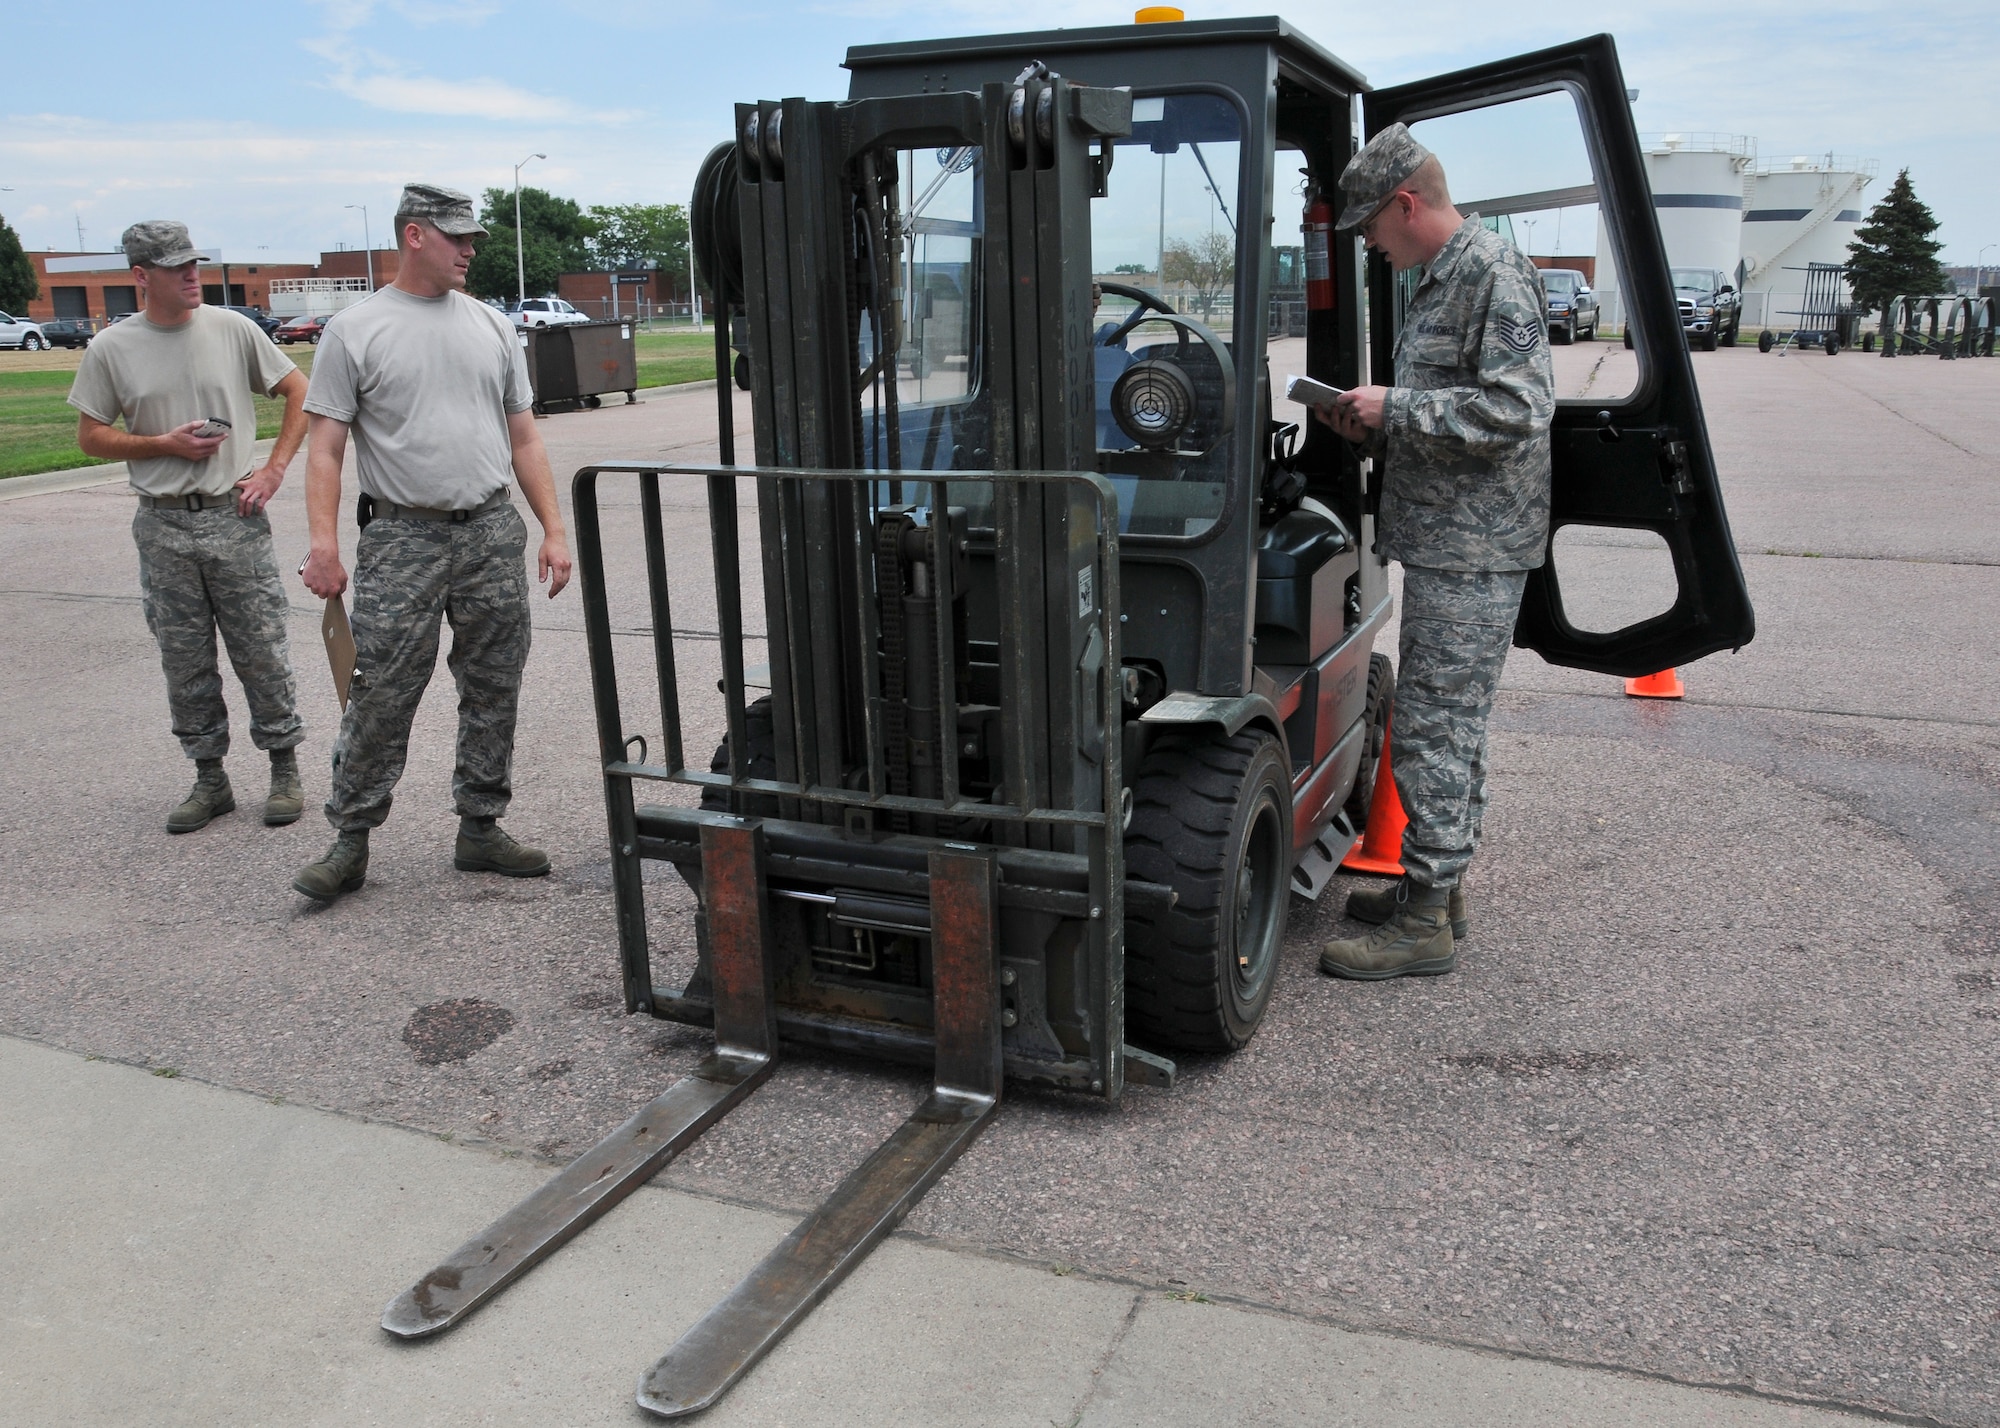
(1979, 276)
(367, 244)
(520, 253)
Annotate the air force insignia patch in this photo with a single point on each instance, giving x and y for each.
(1517, 336)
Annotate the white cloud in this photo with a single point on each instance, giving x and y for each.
(384, 83)
(249, 186)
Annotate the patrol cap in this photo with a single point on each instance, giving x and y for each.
(159, 242)
(445, 209)
(1384, 165)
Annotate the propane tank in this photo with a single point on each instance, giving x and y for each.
(1318, 230)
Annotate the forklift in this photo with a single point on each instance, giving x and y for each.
(1070, 683)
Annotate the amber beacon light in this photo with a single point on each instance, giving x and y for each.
(1158, 14)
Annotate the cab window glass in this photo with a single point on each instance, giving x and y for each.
(1523, 166)
(942, 412)
(1166, 254)
(941, 235)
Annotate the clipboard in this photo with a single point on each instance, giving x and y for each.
(1309, 393)
(338, 637)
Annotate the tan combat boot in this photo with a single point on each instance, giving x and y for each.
(1375, 906)
(210, 798)
(287, 799)
(1415, 940)
(485, 847)
(341, 869)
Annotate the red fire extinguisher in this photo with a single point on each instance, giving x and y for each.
(1318, 229)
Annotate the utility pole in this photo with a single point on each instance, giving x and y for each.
(367, 243)
(694, 291)
(520, 253)
(79, 232)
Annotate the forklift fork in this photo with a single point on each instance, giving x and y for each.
(746, 1051)
(728, 1340)
(873, 1199)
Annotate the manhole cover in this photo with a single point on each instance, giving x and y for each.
(453, 1030)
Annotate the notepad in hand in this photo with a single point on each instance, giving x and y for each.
(1309, 393)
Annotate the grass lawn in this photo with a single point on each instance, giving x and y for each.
(668, 358)
(38, 427)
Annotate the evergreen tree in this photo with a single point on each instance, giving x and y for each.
(18, 284)
(1893, 253)
(556, 236)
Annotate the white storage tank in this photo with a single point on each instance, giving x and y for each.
(1798, 211)
(1698, 196)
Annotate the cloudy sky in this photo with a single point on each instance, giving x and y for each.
(260, 123)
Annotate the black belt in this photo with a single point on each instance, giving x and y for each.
(390, 511)
(193, 501)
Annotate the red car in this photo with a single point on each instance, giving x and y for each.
(299, 329)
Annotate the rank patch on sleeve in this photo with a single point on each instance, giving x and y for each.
(1517, 336)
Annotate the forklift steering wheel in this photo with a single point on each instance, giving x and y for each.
(1147, 302)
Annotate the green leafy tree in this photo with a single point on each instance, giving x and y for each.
(1134, 269)
(555, 239)
(1893, 252)
(1206, 264)
(18, 284)
(631, 236)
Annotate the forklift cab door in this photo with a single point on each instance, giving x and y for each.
(1634, 460)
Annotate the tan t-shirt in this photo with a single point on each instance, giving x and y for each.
(427, 385)
(158, 378)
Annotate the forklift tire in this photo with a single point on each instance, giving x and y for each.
(1765, 342)
(760, 732)
(1375, 720)
(1832, 345)
(1212, 819)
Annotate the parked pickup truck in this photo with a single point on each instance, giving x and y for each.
(1711, 310)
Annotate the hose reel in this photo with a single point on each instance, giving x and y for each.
(715, 224)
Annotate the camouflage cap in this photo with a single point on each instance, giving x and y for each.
(159, 242)
(445, 209)
(1384, 165)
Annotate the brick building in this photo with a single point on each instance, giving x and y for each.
(1584, 265)
(639, 293)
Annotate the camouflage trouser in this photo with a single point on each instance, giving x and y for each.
(408, 573)
(200, 570)
(1457, 625)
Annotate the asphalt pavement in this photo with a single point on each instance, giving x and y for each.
(1709, 1104)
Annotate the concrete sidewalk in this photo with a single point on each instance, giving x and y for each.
(175, 1253)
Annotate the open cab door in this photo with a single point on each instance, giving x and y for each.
(1631, 451)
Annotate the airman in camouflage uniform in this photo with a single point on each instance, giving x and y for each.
(171, 373)
(1463, 438)
(434, 388)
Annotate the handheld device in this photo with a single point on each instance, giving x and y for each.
(1309, 393)
(214, 426)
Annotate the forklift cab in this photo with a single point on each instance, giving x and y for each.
(1069, 621)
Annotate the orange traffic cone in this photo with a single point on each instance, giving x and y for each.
(1664, 685)
(1380, 850)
